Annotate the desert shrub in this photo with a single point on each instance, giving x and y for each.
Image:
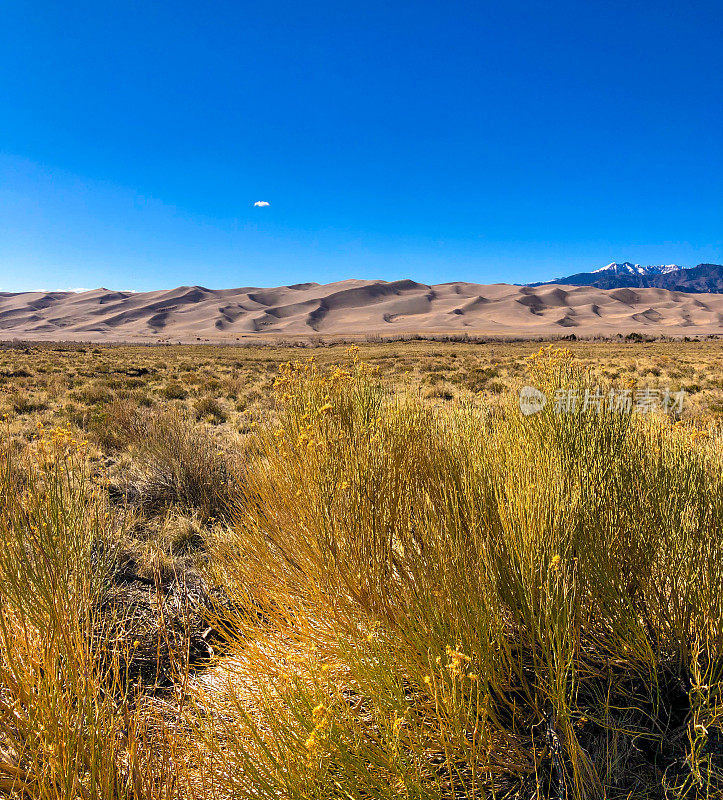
(93, 394)
(174, 461)
(24, 403)
(68, 727)
(248, 399)
(182, 535)
(113, 426)
(211, 410)
(174, 390)
(142, 399)
(477, 379)
(56, 386)
(495, 387)
(212, 385)
(234, 385)
(444, 391)
(453, 609)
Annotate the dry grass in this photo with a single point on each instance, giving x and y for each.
(366, 575)
(230, 387)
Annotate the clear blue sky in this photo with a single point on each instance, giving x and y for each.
(483, 141)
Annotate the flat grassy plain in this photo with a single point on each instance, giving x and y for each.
(331, 572)
(231, 386)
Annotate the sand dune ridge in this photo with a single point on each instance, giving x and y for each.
(190, 313)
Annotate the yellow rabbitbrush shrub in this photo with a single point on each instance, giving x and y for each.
(67, 726)
(426, 602)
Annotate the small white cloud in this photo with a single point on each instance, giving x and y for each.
(261, 203)
(78, 291)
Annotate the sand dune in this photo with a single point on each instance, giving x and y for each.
(192, 313)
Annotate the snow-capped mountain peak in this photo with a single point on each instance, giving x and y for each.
(702, 278)
(626, 268)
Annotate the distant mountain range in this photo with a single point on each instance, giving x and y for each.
(703, 278)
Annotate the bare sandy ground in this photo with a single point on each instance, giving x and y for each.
(354, 307)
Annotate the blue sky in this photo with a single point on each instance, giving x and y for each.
(505, 141)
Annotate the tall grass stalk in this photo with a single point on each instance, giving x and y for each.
(67, 724)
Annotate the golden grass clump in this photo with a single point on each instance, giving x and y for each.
(432, 603)
(173, 463)
(67, 725)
